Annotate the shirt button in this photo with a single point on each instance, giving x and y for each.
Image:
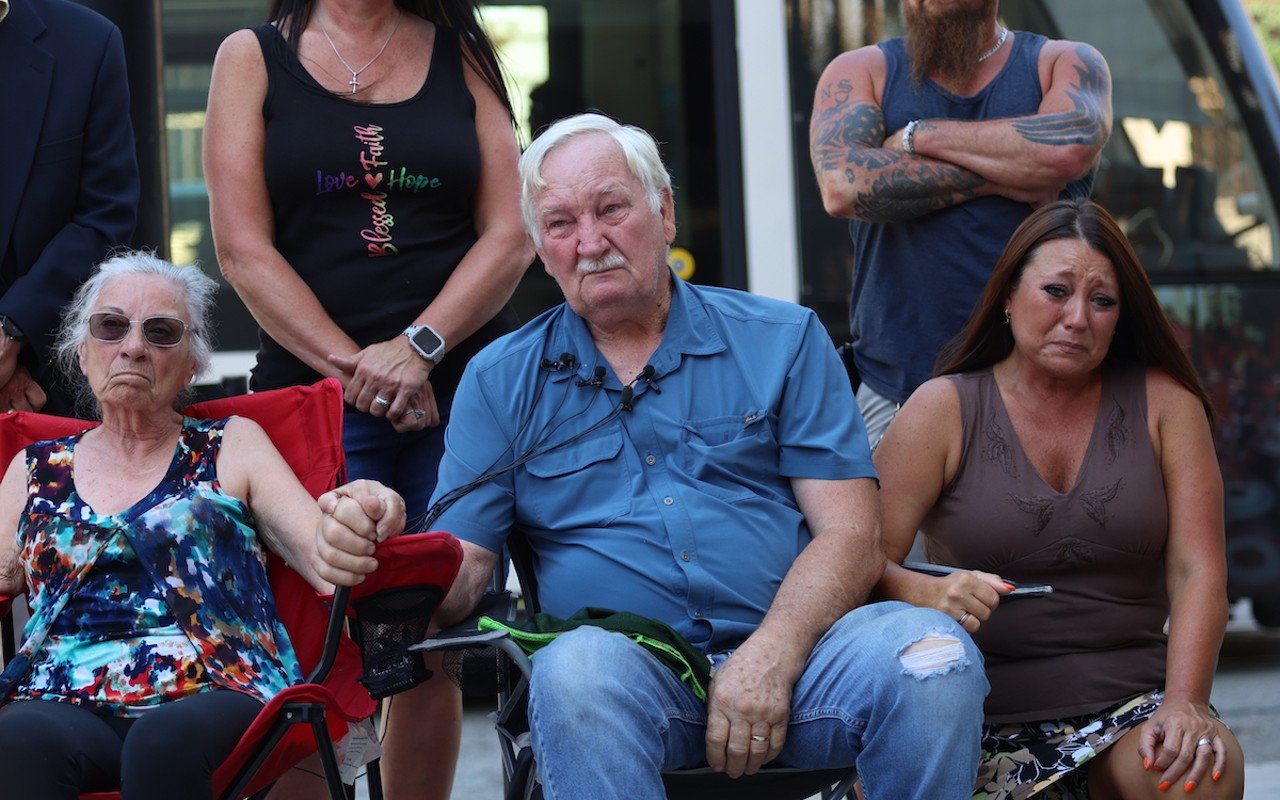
(650, 460)
(698, 613)
(684, 556)
(666, 501)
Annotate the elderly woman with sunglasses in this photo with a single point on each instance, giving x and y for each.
(153, 641)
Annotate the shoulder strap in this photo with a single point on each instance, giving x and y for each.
(201, 441)
(48, 482)
(448, 59)
(275, 54)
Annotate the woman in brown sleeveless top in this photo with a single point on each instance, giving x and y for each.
(1068, 442)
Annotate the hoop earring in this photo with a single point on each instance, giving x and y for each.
(1008, 318)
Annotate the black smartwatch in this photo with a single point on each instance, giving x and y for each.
(11, 329)
(428, 343)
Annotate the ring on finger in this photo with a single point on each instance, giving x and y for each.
(382, 401)
(963, 618)
(756, 737)
(417, 413)
(1205, 742)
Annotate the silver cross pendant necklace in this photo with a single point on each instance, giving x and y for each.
(354, 83)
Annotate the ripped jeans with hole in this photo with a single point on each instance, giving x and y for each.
(893, 689)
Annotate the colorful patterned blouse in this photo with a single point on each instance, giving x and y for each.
(164, 599)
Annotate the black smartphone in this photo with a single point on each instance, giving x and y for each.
(1020, 590)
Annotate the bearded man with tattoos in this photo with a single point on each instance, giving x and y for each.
(936, 146)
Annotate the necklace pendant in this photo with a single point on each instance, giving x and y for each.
(354, 83)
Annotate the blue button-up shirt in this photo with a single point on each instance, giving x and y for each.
(680, 507)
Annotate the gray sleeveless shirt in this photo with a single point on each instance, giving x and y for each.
(1098, 638)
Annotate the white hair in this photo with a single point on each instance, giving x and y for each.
(194, 287)
(638, 148)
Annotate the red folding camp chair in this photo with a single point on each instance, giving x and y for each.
(391, 607)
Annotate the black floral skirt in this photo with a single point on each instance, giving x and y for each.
(1046, 759)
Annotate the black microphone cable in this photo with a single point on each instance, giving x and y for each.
(565, 361)
(626, 403)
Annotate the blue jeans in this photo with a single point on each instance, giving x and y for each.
(407, 462)
(607, 717)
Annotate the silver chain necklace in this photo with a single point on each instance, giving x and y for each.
(995, 48)
(354, 83)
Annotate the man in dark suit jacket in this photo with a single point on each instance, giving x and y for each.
(68, 179)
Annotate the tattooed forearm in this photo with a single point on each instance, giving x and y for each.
(883, 185)
(1085, 122)
(913, 191)
(845, 131)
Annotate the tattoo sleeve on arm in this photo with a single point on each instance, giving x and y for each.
(846, 139)
(1084, 123)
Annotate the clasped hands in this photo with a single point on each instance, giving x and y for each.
(21, 392)
(389, 379)
(354, 518)
(18, 390)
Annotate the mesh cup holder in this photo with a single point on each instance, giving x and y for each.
(385, 625)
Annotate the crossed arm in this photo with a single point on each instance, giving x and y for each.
(863, 172)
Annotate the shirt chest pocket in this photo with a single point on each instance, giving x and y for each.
(584, 484)
(734, 457)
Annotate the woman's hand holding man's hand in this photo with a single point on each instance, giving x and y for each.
(354, 518)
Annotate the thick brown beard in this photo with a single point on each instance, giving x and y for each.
(947, 46)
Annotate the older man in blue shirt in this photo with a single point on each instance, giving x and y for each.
(687, 454)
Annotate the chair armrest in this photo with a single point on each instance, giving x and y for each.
(392, 608)
(477, 640)
(500, 605)
(414, 559)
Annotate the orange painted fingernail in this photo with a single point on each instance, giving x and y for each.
(1009, 586)
(1146, 763)
(1188, 786)
(1164, 785)
(1217, 775)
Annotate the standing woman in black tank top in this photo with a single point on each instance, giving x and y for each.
(360, 159)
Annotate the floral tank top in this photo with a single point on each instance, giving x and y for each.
(166, 598)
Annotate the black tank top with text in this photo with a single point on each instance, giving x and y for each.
(372, 203)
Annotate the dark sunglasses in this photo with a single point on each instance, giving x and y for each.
(159, 331)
